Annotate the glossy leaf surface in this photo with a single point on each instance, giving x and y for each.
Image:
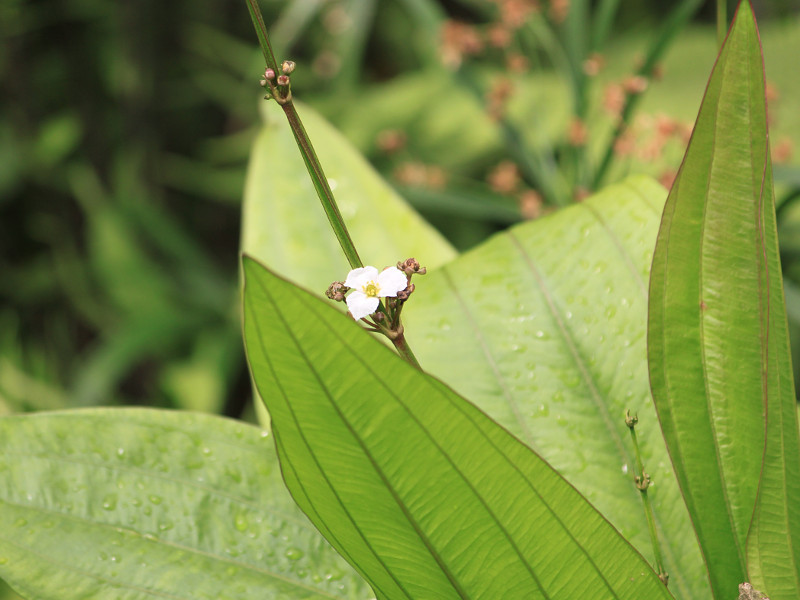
(133, 503)
(285, 226)
(419, 489)
(544, 327)
(718, 345)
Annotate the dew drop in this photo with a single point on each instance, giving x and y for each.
(110, 502)
(625, 469)
(294, 553)
(240, 522)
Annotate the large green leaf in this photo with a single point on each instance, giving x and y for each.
(718, 345)
(134, 503)
(544, 328)
(285, 226)
(420, 490)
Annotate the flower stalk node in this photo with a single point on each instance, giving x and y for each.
(280, 86)
(377, 299)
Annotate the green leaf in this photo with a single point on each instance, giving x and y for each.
(285, 226)
(544, 328)
(416, 487)
(134, 503)
(718, 345)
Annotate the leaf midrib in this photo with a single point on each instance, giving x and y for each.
(284, 323)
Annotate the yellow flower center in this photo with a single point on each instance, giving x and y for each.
(371, 289)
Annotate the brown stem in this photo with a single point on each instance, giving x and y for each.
(404, 350)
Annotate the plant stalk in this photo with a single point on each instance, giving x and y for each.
(316, 173)
(404, 350)
(321, 185)
(642, 483)
(307, 149)
(675, 22)
(261, 32)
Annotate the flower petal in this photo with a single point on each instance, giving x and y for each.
(391, 281)
(361, 305)
(360, 277)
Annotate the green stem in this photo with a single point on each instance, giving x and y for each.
(261, 32)
(648, 508)
(539, 169)
(307, 149)
(675, 22)
(317, 174)
(722, 21)
(321, 185)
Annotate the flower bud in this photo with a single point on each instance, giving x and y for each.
(411, 266)
(287, 67)
(336, 291)
(403, 295)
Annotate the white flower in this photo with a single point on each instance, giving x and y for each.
(368, 285)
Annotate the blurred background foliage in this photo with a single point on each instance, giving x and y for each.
(125, 130)
(126, 126)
